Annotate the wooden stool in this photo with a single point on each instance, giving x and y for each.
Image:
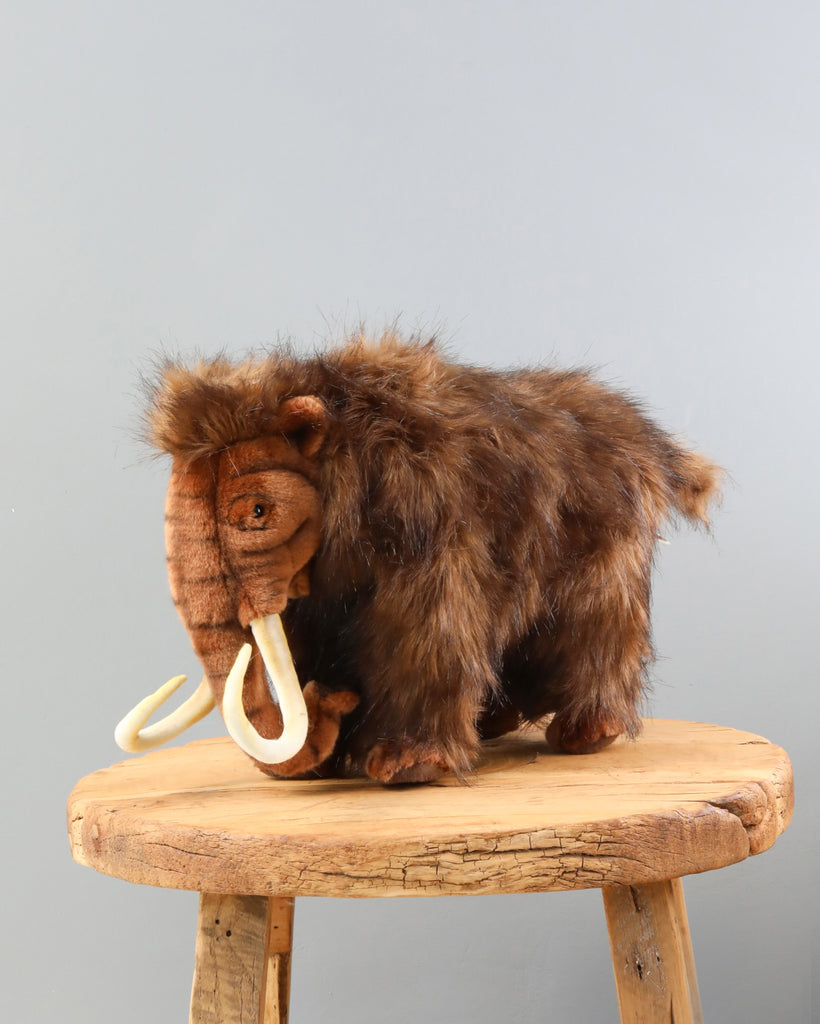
(629, 820)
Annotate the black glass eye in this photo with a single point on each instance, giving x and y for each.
(258, 510)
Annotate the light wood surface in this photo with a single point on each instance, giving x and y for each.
(652, 953)
(229, 961)
(278, 948)
(686, 797)
(242, 961)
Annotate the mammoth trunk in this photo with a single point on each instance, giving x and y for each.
(206, 597)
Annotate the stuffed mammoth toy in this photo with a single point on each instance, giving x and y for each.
(418, 554)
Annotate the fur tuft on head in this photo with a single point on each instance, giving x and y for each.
(196, 410)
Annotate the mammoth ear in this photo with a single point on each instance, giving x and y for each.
(304, 420)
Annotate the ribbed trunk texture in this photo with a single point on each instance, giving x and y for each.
(205, 595)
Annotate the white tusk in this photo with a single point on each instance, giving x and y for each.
(131, 736)
(273, 646)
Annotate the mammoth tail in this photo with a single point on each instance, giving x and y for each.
(694, 484)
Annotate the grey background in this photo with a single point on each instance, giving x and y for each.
(628, 185)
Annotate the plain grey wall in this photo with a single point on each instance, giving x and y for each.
(628, 185)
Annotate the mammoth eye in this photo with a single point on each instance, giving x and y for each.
(254, 511)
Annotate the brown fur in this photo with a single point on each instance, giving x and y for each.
(486, 540)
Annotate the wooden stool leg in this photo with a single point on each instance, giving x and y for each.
(278, 946)
(242, 969)
(652, 953)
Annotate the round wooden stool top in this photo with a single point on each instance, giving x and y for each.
(686, 797)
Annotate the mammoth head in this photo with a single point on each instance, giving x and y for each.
(265, 524)
(242, 521)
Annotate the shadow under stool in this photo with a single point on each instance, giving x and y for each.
(630, 820)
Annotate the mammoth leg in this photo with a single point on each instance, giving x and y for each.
(426, 674)
(586, 660)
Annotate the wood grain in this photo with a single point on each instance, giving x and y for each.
(230, 959)
(685, 797)
(242, 966)
(652, 954)
(278, 951)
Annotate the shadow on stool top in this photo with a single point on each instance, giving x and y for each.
(686, 797)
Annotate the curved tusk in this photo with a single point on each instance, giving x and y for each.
(131, 736)
(273, 646)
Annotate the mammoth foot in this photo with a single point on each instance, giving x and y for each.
(394, 763)
(588, 736)
(325, 710)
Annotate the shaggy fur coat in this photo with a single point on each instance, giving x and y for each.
(486, 548)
